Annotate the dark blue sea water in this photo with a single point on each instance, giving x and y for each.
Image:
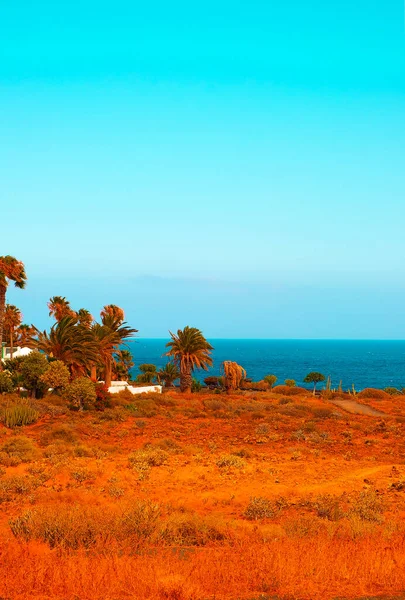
(363, 363)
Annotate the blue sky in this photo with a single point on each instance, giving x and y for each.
(233, 166)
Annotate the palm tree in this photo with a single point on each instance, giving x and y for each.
(71, 343)
(109, 336)
(233, 374)
(11, 269)
(85, 318)
(189, 350)
(25, 334)
(59, 308)
(168, 374)
(113, 310)
(123, 363)
(12, 319)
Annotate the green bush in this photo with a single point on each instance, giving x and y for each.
(392, 391)
(20, 414)
(57, 376)
(196, 386)
(270, 379)
(81, 394)
(290, 382)
(6, 383)
(33, 366)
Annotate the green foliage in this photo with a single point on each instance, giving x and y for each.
(33, 366)
(392, 391)
(57, 376)
(196, 386)
(270, 379)
(123, 363)
(20, 414)
(189, 350)
(168, 374)
(81, 393)
(290, 383)
(314, 377)
(148, 373)
(6, 382)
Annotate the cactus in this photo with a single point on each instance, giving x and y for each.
(20, 414)
(328, 383)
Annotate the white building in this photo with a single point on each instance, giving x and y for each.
(16, 352)
(120, 386)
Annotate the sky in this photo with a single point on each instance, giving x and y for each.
(234, 166)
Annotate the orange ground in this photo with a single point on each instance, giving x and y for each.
(249, 496)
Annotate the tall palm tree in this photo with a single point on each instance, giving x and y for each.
(168, 374)
(11, 269)
(110, 335)
(12, 319)
(71, 343)
(59, 308)
(189, 350)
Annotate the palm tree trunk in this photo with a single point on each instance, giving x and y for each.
(11, 343)
(2, 309)
(186, 381)
(108, 373)
(93, 372)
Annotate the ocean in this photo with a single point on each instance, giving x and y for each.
(364, 363)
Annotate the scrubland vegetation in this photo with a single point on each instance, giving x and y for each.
(237, 490)
(241, 495)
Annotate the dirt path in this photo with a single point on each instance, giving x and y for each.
(353, 407)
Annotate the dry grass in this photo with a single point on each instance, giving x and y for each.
(237, 496)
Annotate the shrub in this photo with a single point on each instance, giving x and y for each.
(148, 457)
(373, 393)
(58, 433)
(368, 506)
(196, 386)
(270, 379)
(6, 383)
(328, 507)
(392, 391)
(20, 414)
(191, 530)
(230, 460)
(256, 386)
(104, 399)
(148, 373)
(290, 383)
(18, 450)
(33, 366)
(81, 393)
(285, 390)
(214, 404)
(259, 508)
(13, 486)
(56, 376)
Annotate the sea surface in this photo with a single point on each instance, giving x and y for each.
(364, 363)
